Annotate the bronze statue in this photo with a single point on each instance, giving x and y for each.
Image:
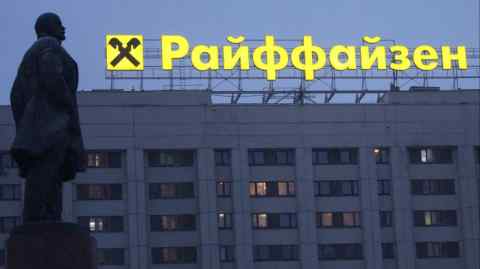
(48, 145)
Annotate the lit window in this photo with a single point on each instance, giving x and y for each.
(327, 219)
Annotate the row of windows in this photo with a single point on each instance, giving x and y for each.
(187, 222)
(264, 156)
(343, 251)
(257, 189)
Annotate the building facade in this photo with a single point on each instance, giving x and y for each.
(175, 181)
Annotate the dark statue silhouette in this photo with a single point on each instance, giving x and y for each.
(48, 145)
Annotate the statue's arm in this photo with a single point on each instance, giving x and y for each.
(52, 80)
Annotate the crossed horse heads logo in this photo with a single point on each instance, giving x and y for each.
(122, 52)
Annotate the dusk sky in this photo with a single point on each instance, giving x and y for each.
(410, 22)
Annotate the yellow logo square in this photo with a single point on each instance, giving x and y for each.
(124, 52)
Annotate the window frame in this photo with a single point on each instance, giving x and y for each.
(177, 219)
(333, 188)
(275, 191)
(116, 224)
(334, 156)
(179, 252)
(178, 159)
(271, 157)
(176, 189)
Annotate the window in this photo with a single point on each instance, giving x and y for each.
(271, 157)
(435, 218)
(171, 190)
(448, 249)
(386, 219)
(227, 253)
(110, 256)
(274, 220)
(338, 219)
(432, 186)
(477, 150)
(99, 192)
(336, 188)
(6, 161)
(165, 255)
(8, 223)
(106, 224)
(162, 223)
(275, 253)
(343, 251)
(224, 220)
(384, 187)
(382, 155)
(431, 155)
(104, 159)
(223, 157)
(388, 250)
(10, 192)
(224, 189)
(170, 158)
(272, 188)
(335, 156)
(2, 257)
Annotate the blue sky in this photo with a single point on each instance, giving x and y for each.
(410, 22)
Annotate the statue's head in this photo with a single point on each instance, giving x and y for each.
(49, 24)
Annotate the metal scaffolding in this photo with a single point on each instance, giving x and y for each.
(251, 86)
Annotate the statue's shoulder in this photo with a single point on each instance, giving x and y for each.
(46, 44)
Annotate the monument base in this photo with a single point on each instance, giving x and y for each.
(50, 245)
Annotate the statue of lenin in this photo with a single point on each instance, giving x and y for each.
(48, 145)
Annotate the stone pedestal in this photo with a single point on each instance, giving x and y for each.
(51, 245)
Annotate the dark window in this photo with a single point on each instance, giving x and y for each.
(431, 155)
(435, 218)
(6, 161)
(388, 250)
(448, 249)
(106, 224)
(104, 159)
(227, 253)
(161, 223)
(271, 157)
(10, 192)
(275, 252)
(166, 158)
(99, 192)
(223, 157)
(338, 219)
(2, 257)
(340, 251)
(167, 255)
(8, 223)
(336, 188)
(477, 154)
(274, 220)
(384, 187)
(382, 155)
(335, 156)
(171, 190)
(272, 188)
(432, 186)
(224, 188)
(110, 256)
(386, 219)
(224, 220)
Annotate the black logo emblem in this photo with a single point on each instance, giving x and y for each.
(124, 51)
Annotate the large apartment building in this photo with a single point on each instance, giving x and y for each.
(175, 181)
